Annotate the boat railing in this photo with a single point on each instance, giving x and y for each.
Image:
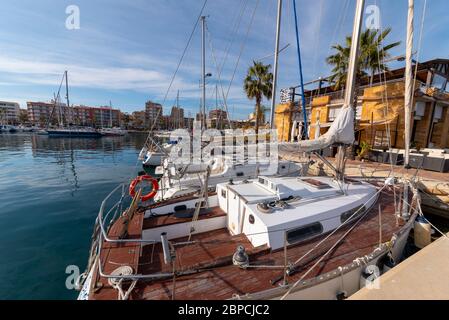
(105, 220)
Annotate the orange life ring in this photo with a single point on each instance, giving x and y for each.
(136, 181)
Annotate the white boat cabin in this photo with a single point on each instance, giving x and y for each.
(272, 210)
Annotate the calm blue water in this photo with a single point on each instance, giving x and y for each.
(50, 192)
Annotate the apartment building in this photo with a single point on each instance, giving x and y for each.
(153, 112)
(9, 112)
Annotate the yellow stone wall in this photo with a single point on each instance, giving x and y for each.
(319, 111)
(283, 121)
(381, 105)
(440, 136)
(386, 104)
(376, 109)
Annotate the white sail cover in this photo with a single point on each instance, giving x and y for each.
(341, 131)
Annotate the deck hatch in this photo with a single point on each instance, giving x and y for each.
(316, 183)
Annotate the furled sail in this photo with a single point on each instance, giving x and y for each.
(341, 131)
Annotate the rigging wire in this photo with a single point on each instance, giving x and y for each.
(242, 47)
(234, 34)
(421, 32)
(385, 102)
(219, 76)
(404, 200)
(172, 81)
(317, 39)
(180, 62)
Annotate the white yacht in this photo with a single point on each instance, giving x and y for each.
(8, 128)
(155, 156)
(263, 238)
(112, 132)
(180, 181)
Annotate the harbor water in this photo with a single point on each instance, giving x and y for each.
(50, 192)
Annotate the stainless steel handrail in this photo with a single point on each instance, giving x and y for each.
(101, 219)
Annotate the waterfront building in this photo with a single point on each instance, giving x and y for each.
(188, 123)
(153, 112)
(218, 118)
(138, 120)
(380, 108)
(9, 112)
(42, 112)
(97, 116)
(176, 119)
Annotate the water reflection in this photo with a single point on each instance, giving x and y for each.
(68, 154)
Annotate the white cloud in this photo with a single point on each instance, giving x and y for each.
(30, 71)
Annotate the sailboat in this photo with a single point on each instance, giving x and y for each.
(263, 238)
(69, 131)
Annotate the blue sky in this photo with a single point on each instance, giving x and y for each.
(127, 50)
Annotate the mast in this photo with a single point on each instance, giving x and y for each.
(67, 94)
(275, 67)
(351, 78)
(303, 98)
(178, 112)
(408, 82)
(58, 105)
(218, 120)
(203, 72)
(353, 57)
(101, 116)
(408, 98)
(110, 113)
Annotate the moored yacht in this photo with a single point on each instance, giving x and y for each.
(304, 237)
(74, 132)
(264, 238)
(180, 181)
(113, 132)
(8, 128)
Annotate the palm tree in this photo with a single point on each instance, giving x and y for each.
(371, 56)
(258, 84)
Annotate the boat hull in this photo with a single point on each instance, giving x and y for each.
(340, 275)
(346, 280)
(153, 160)
(73, 134)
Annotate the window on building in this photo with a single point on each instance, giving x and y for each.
(439, 82)
(304, 233)
(333, 113)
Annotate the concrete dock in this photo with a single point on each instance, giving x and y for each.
(423, 276)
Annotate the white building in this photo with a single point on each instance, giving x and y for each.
(9, 112)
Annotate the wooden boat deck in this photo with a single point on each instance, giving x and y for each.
(220, 279)
(114, 255)
(157, 221)
(211, 249)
